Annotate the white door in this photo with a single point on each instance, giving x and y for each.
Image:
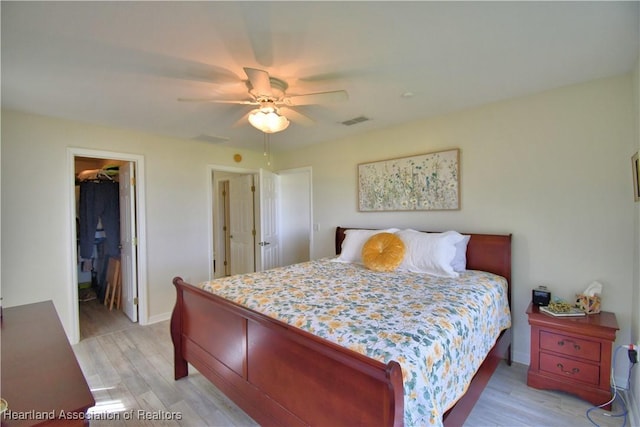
(128, 251)
(297, 213)
(241, 224)
(267, 220)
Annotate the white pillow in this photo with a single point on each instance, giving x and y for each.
(459, 262)
(353, 242)
(430, 253)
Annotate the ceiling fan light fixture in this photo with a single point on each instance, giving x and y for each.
(268, 121)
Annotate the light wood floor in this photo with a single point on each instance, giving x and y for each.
(129, 367)
(96, 319)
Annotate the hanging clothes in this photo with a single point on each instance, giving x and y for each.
(99, 202)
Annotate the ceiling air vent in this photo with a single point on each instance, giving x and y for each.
(355, 121)
(212, 138)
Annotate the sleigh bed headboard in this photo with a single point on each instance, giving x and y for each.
(485, 252)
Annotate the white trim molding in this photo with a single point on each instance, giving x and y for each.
(143, 310)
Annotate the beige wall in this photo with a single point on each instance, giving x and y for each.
(36, 210)
(553, 169)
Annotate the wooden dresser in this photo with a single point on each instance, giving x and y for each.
(41, 379)
(572, 354)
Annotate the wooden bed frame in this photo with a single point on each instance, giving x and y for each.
(284, 376)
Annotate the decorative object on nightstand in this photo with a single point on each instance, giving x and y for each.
(541, 296)
(588, 304)
(569, 312)
(589, 300)
(572, 354)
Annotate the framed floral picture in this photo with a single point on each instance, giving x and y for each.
(417, 183)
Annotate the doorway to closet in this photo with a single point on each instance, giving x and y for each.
(106, 229)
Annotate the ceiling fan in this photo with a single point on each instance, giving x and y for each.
(274, 110)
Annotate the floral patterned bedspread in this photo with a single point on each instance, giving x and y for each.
(438, 329)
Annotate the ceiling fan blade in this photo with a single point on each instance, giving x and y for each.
(259, 80)
(296, 117)
(244, 120)
(218, 101)
(260, 32)
(317, 98)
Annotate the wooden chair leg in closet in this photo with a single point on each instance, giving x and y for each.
(113, 283)
(117, 294)
(107, 292)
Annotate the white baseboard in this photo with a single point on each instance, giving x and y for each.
(520, 357)
(158, 318)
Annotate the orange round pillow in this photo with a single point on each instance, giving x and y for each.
(383, 252)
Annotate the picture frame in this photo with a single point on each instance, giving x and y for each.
(636, 177)
(425, 182)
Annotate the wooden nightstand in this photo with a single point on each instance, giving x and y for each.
(572, 354)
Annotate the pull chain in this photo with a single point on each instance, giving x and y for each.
(267, 147)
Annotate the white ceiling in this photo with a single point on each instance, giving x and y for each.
(124, 64)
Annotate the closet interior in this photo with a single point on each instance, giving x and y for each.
(97, 228)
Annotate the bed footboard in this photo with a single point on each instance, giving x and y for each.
(278, 374)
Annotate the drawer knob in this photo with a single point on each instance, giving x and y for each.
(573, 371)
(576, 346)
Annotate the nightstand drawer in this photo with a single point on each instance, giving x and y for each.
(572, 354)
(570, 346)
(568, 368)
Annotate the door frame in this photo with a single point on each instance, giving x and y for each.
(138, 160)
(211, 169)
(307, 171)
